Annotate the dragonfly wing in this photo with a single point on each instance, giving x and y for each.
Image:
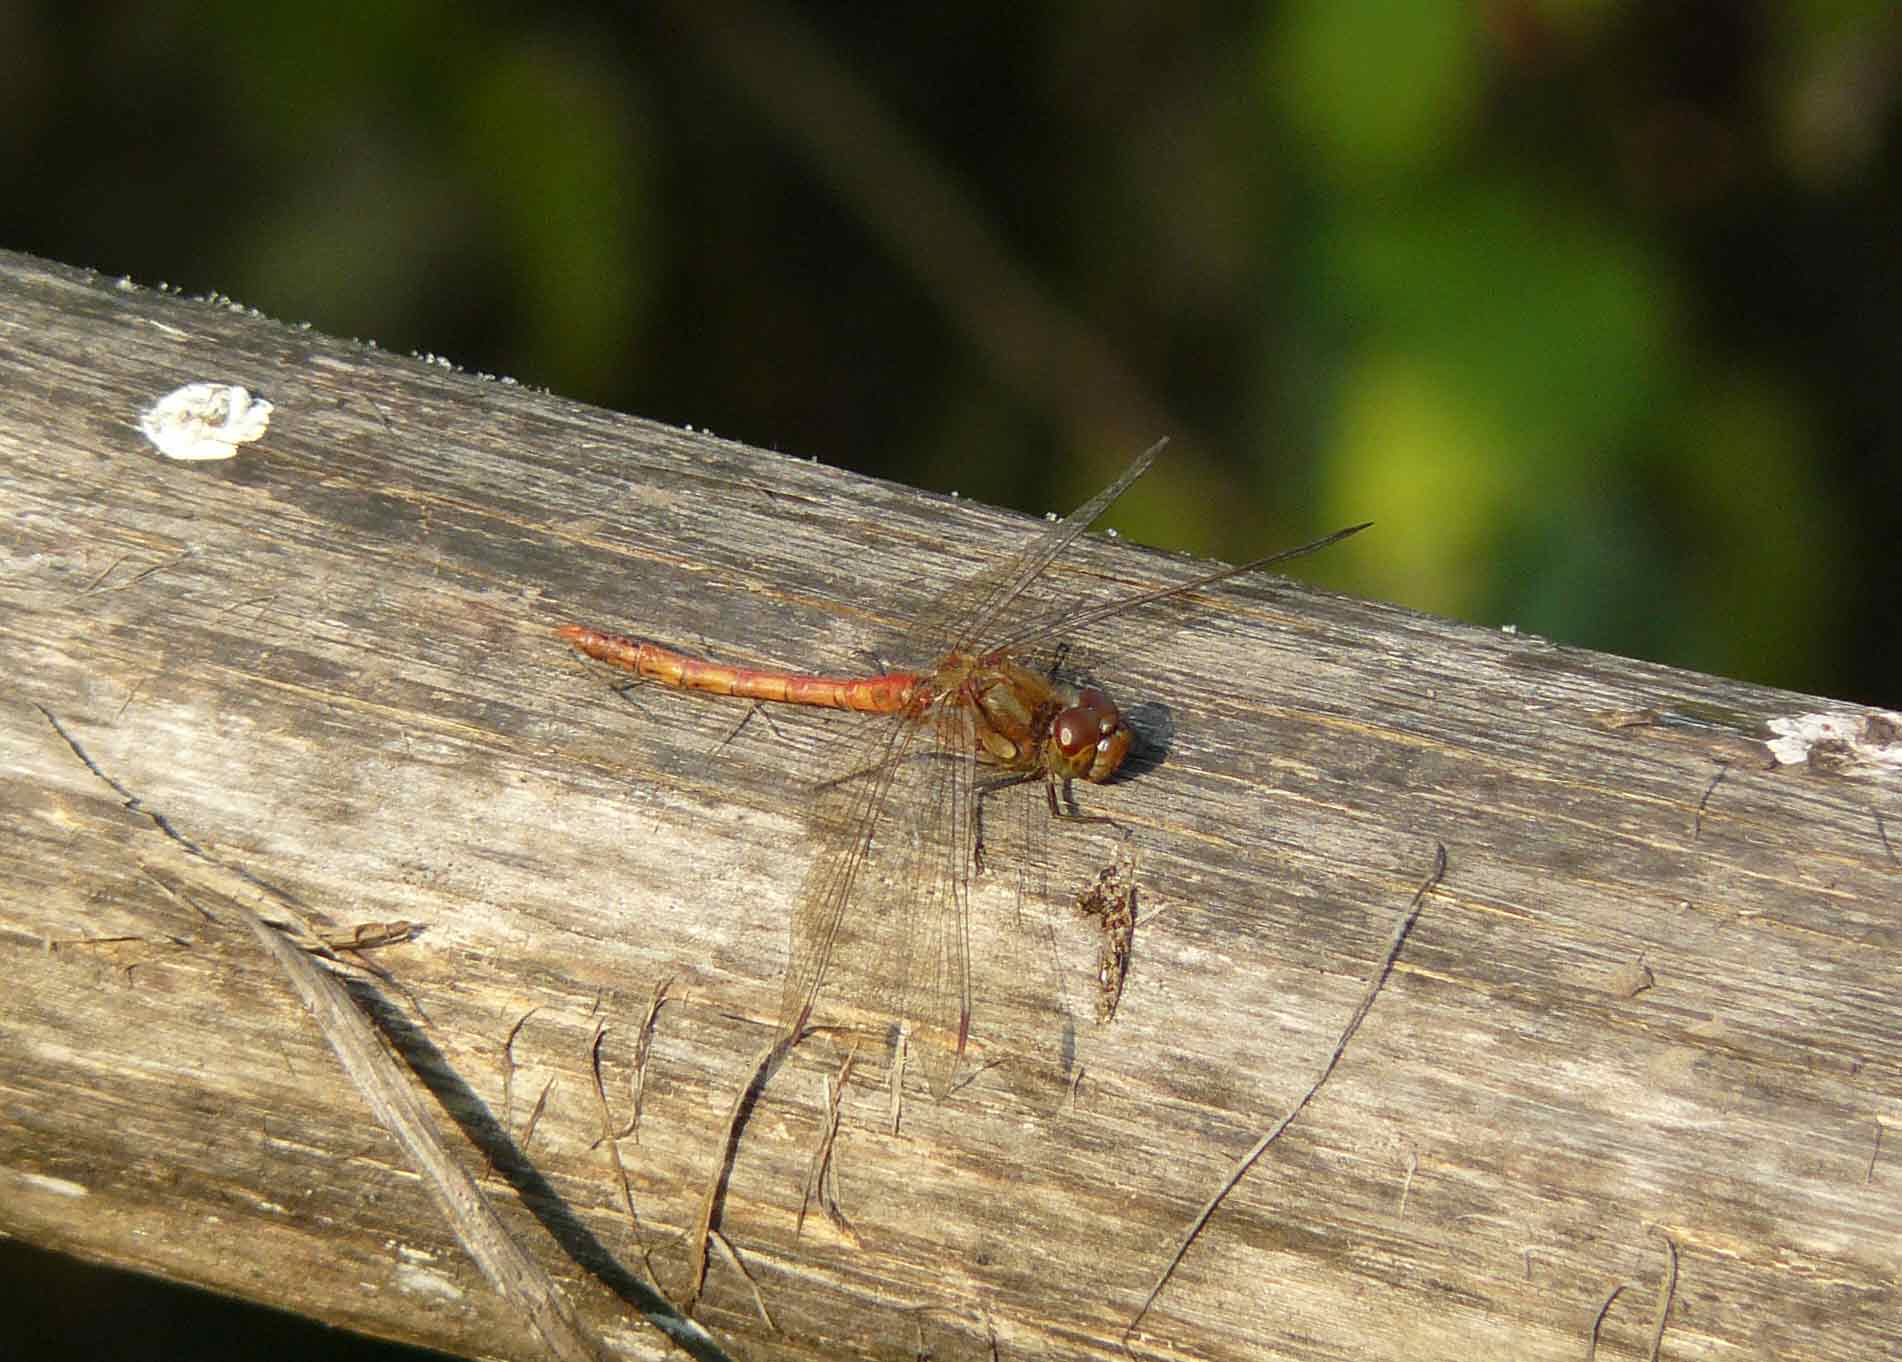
(881, 921)
(850, 824)
(881, 924)
(988, 605)
(937, 1000)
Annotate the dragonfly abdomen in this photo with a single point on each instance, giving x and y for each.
(887, 694)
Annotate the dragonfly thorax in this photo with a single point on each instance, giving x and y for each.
(1032, 722)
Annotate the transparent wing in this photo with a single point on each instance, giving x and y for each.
(936, 1000)
(982, 608)
(849, 813)
(1022, 628)
(882, 921)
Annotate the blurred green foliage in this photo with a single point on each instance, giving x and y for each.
(1587, 303)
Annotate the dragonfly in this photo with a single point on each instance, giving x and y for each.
(883, 915)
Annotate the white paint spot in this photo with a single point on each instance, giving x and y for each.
(1872, 738)
(205, 421)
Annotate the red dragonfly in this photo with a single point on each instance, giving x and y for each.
(883, 915)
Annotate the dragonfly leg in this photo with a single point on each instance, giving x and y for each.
(879, 664)
(757, 707)
(1067, 810)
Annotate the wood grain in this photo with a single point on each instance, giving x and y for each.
(1656, 994)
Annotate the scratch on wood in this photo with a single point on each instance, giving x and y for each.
(1598, 1320)
(1247, 1161)
(1666, 1292)
(132, 803)
(1697, 822)
(132, 581)
(53, 946)
(901, 1053)
(308, 938)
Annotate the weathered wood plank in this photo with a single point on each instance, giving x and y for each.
(1637, 1001)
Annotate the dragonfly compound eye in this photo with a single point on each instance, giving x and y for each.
(1091, 736)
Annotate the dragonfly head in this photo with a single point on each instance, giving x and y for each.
(1089, 739)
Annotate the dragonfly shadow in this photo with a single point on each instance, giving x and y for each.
(1154, 725)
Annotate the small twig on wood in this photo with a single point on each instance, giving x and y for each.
(642, 1046)
(729, 1147)
(823, 1170)
(535, 1115)
(378, 1077)
(367, 936)
(611, 1140)
(1247, 1160)
(508, 1070)
(391, 1096)
(732, 1257)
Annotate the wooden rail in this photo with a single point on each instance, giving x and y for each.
(1649, 1016)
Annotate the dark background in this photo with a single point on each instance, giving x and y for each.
(1590, 304)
